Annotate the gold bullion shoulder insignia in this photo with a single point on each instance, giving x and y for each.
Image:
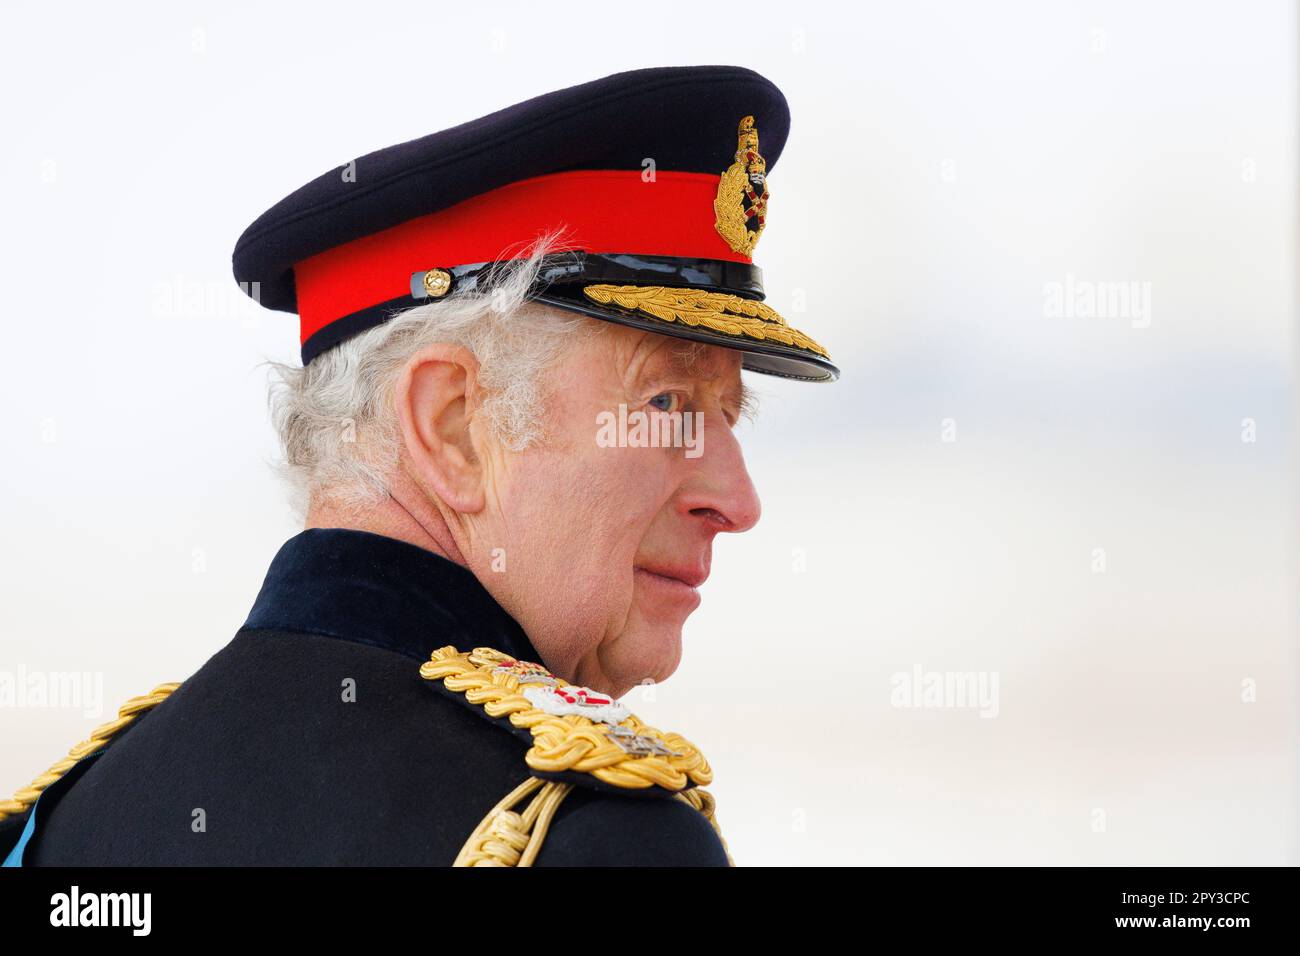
(573, 728)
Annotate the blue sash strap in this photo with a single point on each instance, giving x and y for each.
(50, 796)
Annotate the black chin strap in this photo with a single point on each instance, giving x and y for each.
(566, 268)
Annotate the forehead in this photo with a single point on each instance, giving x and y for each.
(637, 354)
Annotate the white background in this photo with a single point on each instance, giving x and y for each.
(946, 162)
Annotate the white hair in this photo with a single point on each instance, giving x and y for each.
(335, 416)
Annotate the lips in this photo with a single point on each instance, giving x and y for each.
(692, 576)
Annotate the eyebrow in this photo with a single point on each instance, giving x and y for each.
(748, 403)
(685, 361)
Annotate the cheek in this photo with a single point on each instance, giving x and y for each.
(579, 517)
(626, 488)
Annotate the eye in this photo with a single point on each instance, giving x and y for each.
(666, 401)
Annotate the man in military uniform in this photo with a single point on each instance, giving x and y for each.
(497, 321)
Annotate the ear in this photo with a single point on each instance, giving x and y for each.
(435, 398)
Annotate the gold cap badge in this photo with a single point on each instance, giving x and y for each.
(741, 203)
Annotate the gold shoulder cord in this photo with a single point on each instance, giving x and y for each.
(630, 754)
(634, 756)
(126, 714)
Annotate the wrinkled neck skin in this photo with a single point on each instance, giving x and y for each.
(405, 514)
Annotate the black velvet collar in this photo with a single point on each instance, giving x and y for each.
(367, 588)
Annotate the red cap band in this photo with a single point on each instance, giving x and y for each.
(602, 211)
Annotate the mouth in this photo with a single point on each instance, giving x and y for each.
(691, 577)
(672, 583)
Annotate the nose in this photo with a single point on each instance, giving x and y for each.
(719, 490)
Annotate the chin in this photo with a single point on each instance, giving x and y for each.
(658, 652)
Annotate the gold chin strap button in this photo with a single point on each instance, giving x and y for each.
(437, 282)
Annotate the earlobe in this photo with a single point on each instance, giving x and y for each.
(435, 398)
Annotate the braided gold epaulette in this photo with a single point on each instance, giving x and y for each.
(26, 798)
(572, 728)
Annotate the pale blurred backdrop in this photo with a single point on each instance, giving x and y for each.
(1096, 508)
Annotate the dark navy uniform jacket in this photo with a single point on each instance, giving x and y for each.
(286, 771)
